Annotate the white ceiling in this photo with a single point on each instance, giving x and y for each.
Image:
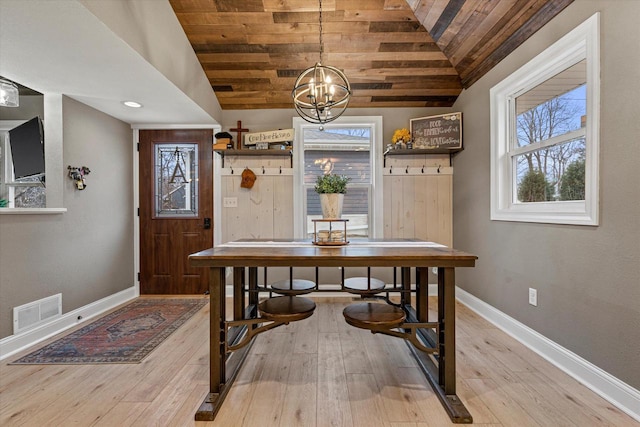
(60, 47)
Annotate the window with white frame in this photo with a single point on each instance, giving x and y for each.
(26, 192)
(349, 146)
(544, 134)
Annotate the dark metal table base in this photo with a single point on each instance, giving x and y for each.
(456, 410)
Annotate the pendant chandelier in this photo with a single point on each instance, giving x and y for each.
(321, 93)
(8, 94)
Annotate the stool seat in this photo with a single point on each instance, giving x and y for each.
(360, 285)
(286, 308)
(295, 285)
(368, 315)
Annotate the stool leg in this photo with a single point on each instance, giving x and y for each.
(290, 278)
(422, 294)
(405, 275)
(238, 293)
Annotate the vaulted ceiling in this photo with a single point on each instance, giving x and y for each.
(395, 53)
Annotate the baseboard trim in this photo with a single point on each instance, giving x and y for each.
(618, 393)
(18, 342)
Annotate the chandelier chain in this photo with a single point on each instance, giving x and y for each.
(321, 43)
(321, 93)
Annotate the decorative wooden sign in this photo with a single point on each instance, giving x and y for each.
(280, 135)
(437, 132)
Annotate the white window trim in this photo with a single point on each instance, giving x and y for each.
(7, 125)
(582, 42)
(376, 173)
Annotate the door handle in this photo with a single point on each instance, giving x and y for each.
(207, 223)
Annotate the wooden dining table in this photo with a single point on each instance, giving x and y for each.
(246, 256)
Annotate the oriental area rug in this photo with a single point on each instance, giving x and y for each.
(126, 335)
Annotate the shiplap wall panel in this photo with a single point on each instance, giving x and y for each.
(283, 208)
(415, 205)
(418, 205)
(264, 211)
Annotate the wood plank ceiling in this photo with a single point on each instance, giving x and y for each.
(395, 53)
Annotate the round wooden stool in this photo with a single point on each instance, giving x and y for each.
(363, 285)
(295, 286)
(368, 315)
(286, 309)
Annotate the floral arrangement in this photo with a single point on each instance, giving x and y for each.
(401, 135)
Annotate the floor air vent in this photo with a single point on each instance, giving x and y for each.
(36, 313)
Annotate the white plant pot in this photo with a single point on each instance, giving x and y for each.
(331, 205)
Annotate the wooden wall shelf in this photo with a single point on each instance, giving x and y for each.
(270, 152)
(420, 151)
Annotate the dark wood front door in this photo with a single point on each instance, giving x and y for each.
(176, 209)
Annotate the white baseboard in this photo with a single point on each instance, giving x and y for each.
(18, 342)
(620, 394)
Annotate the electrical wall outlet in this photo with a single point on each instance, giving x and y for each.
(533, 297)
(230, 202)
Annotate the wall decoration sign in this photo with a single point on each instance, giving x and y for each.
(272, 136)
(443, 132)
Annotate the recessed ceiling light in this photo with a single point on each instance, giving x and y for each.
(132, 104)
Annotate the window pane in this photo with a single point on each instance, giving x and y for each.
(33, 196)
(550, 174)
(354, 164)
(553, 108)
(176, 169)
(342, 151)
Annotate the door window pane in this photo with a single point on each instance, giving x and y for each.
(176, 177)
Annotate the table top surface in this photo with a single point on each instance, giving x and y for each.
(361, 252)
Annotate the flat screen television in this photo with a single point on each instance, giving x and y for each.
(27, 149)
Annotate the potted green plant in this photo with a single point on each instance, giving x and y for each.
(331, 188)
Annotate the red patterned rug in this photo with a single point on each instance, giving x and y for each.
(127, 335)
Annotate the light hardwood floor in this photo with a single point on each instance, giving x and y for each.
(316, 372)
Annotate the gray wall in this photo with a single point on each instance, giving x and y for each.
(30, 106)
(87, 252)
(588, 278)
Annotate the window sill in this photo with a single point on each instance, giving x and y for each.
(32, 211)
(571, 213)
